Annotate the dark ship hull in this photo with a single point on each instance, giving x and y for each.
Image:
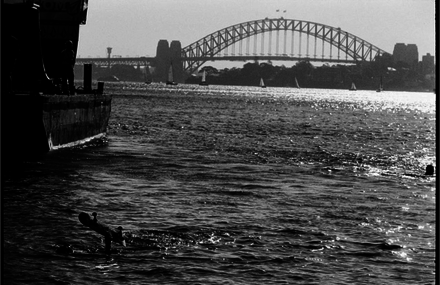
(75, 119)
(36, 117)
(35, 124)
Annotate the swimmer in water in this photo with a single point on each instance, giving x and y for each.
(95, 220)
(110, 234)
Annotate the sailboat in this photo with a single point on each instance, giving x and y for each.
(380, 89)
(170, 80)
(353, 87)
(203, 82)
(262, 85)
(296, 83)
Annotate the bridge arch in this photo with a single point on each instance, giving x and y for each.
(197, 53)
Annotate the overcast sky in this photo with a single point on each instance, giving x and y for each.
(134, 27)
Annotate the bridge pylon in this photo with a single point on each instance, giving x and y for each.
(176, 61)
(162, 61)
(168, 56)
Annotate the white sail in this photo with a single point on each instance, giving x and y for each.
(353, 87)
(203, 82)
(262, 83)
(296, 83)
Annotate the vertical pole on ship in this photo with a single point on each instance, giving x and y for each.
(88, 78)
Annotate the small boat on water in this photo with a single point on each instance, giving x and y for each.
(353, 87)
(380, 89)
(203, 82)
(170, 80)
(262, 85)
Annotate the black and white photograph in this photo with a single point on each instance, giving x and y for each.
(218, 142)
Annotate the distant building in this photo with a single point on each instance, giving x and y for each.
(427, 64)
(399, 52)
(408, 54)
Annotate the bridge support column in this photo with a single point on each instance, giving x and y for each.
(167, 56)
(176, 61)
(162, 61)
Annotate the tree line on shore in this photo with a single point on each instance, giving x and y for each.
(365, 75)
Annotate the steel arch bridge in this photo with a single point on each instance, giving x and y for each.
(211, 46)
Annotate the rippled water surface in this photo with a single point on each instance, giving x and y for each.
(234, 185)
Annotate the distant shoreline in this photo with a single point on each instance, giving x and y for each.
(79, 82)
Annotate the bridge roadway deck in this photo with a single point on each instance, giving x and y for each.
(269, 57)
(117, 60)
(143, 61)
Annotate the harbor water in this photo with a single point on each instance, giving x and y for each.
(234, 185)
